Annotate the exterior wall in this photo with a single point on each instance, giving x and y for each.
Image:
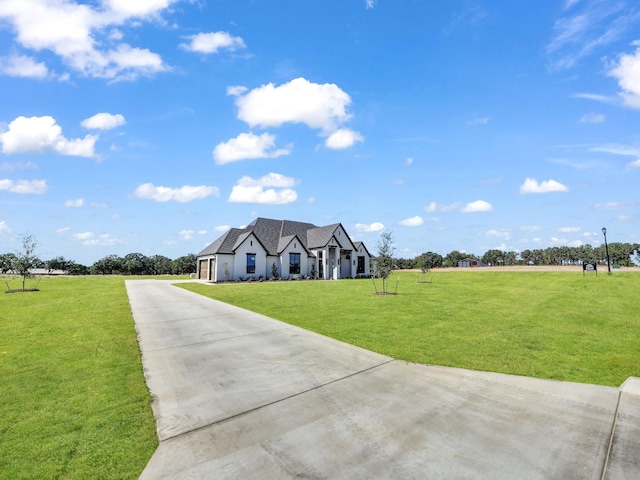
(250, 245)
(219, 267)
(294, 247)
(361, 252)
(269, 265)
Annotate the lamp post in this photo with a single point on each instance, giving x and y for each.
(606, 247)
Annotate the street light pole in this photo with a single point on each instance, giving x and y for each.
(606, 246)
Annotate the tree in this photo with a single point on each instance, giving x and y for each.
(453, 258)
(184, 265)
(58, 263)
(383, 263)
(159, 265)
(274, 271)
(6, 262)
(26, 259)
(109, 265)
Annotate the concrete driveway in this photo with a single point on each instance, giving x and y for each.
(237, 395)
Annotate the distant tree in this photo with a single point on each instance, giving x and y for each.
(25, 259)
(403, 264)
(184, 265)
(159, 265)
(428, 260)
(453, 257)
(383, 263)
(6, 262)
(58, 263)
(78, 269)
(109, 265)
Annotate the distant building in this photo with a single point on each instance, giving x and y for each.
(471, 262)
(297, 249)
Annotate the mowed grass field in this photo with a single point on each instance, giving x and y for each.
(74, 405)
(73, 401)
(557, 325)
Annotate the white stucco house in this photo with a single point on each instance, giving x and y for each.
(297, 249)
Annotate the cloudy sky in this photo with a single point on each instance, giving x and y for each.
(153, 126)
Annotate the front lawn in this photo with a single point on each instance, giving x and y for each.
(73, 401)
(559, 325)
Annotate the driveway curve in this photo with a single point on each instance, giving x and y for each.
(237, 395)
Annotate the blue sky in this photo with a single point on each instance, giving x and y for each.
(153, 126)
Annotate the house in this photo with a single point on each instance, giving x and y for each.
(296, 249)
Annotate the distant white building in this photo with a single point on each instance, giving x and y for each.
(297, 249)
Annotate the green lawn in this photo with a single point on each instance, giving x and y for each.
(73, 402)
(564, 326)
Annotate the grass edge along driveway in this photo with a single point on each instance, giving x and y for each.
(555, 325)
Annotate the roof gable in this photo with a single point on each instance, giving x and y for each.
(275, 235)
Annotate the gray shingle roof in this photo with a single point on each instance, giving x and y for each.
(274, 235)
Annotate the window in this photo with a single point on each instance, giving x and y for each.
(251, 263)
(294, 263)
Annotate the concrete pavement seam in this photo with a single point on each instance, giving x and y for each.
(280, 400)
(613, 431)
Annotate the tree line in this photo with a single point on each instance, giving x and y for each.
(21, 262)
(130, 264)
(619, 254)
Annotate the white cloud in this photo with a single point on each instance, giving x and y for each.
(4, 228)
(586, 29)
(479, 121)
(530, 228)
(212, 42)
(412, 222)
(125, 9)
(373, 227)
(81, 34)
(616, 149)
(409, 161)
(103, 240)
(247, 146)
(190, 234)
(222, 228)
(343, 138)
(77, 203)
(22, 66)
(370, 3)
(592, 118)
(595, 97)
(103, 121)
(319, 106)
(569, 230)
(611, 206)
(499, 233)
(531, 185)
(186, 234)
(477, 206)
(83, 235)
(627, 72)
(35, 187)
(249, 190)
(438, 207)
(43, 134)
(183, 194)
